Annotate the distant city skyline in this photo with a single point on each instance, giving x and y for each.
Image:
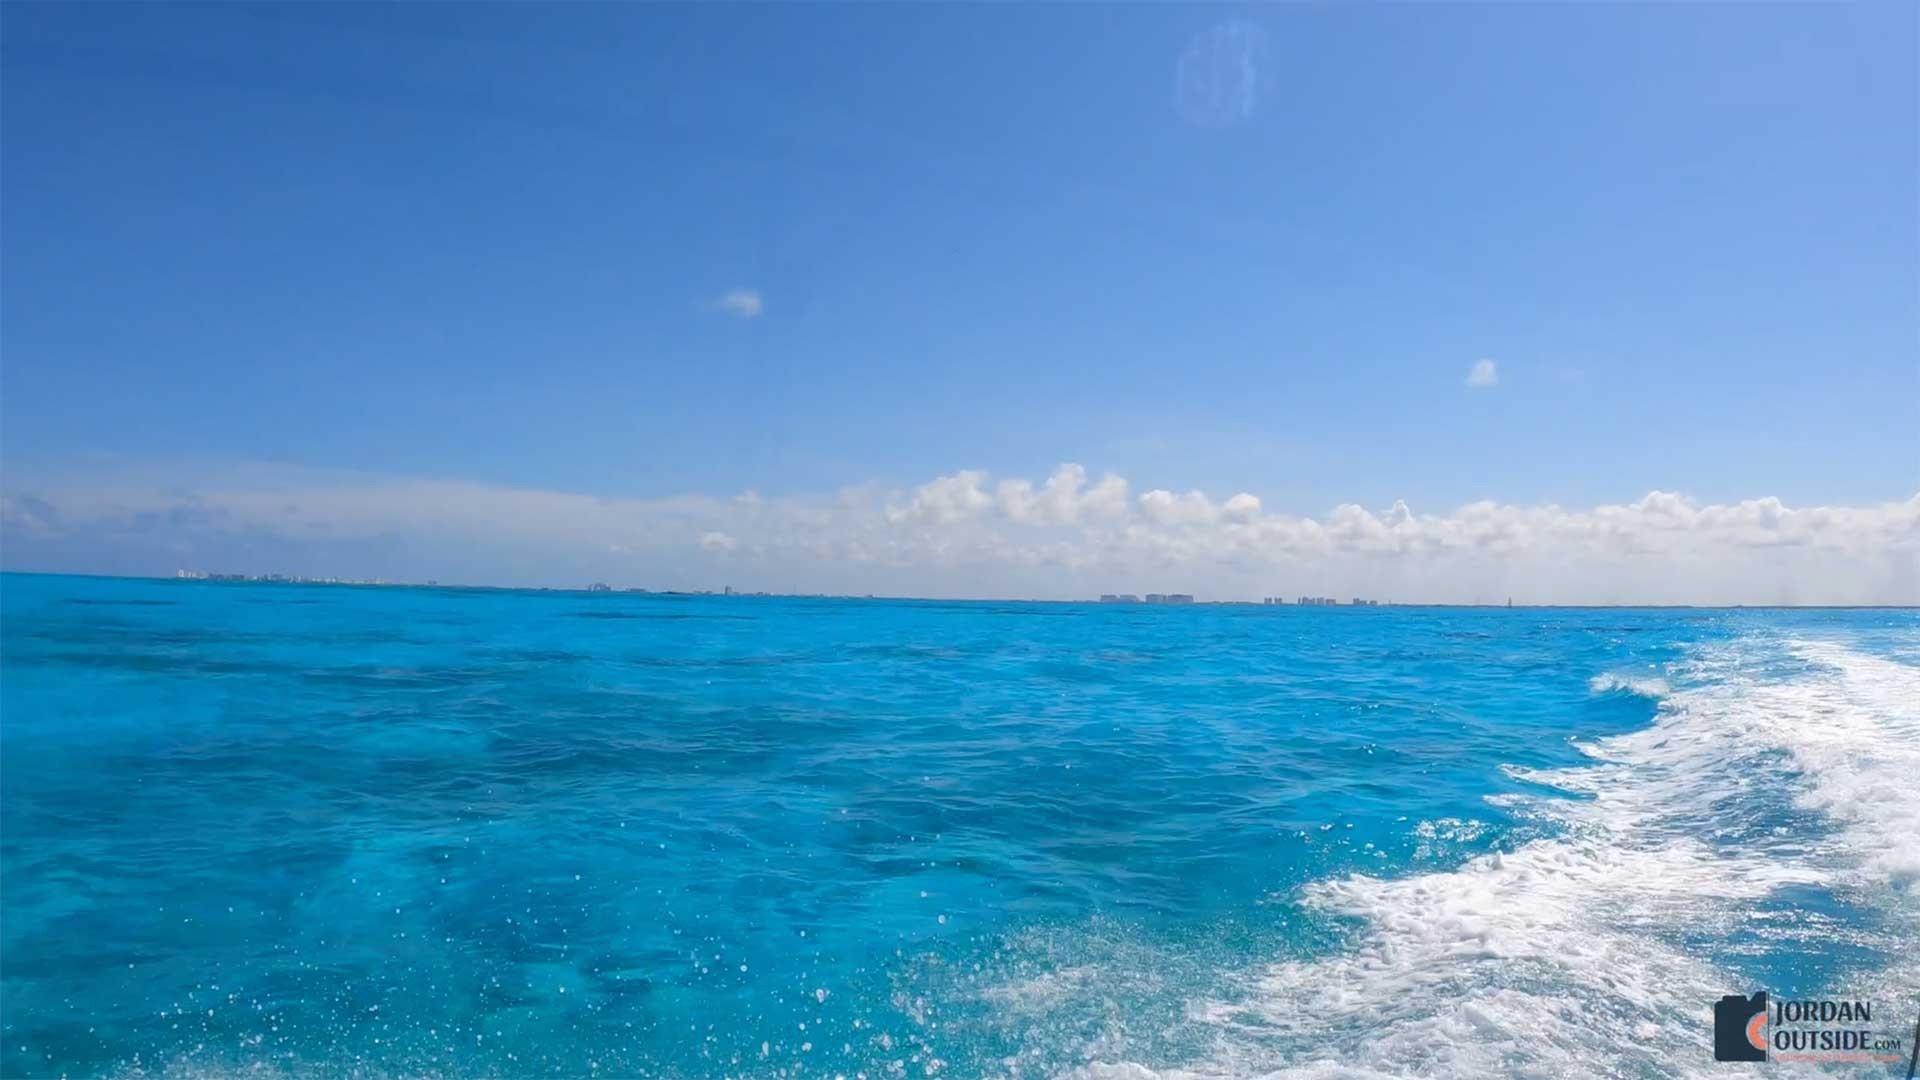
(1613, 303)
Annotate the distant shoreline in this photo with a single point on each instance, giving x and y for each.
(286, 581)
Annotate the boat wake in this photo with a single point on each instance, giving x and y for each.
(1783, 771)
(1649, 686)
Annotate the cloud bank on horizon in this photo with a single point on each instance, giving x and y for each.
(963, 534)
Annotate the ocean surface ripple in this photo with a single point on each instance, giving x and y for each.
(334, 831)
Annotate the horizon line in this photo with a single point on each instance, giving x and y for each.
(1094, 601)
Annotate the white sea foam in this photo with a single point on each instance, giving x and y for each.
(1040, 992)
(1652, 686)
(1571, 956)
(1854, 733)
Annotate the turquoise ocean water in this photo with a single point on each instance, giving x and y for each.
(313, 830)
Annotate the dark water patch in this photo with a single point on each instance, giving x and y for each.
(769, 660)
(396, 677)
(91, 601)
(163, 663)
(910, 651)
(659, 616)
(1072, 672)
(536, 656)
(107, 634)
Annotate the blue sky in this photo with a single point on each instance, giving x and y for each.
(1231, 249)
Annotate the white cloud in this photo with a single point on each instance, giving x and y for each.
(1166, 508)
(1483, 373)
(957, 535)
(1064, 499)
(946, 499)
(1242, 507)
(742, 302)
